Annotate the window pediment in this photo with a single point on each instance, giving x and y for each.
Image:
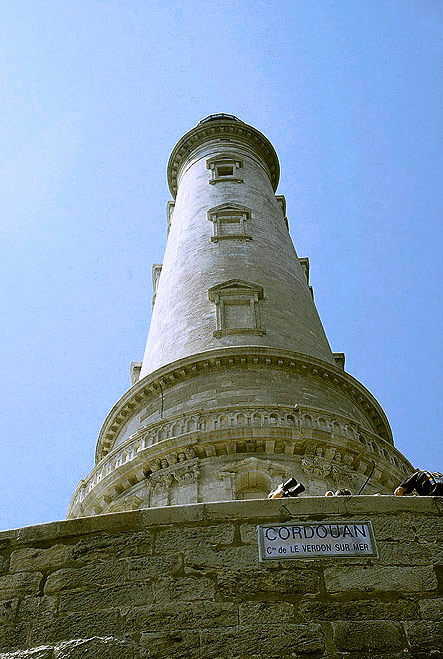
(229, 221)
(235, 287)
(225, 167)
(237, 307)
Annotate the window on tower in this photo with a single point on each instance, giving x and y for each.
(237, 308)
(225, 167)
(230, 221)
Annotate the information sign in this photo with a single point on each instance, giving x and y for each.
(278, 542)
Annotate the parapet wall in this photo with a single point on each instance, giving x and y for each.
(186, 581)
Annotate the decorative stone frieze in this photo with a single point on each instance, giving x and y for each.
(159, 382)
(329, 447)
(227, 128)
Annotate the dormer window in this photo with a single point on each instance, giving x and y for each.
(230, 221)
(225, 167)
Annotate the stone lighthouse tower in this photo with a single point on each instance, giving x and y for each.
(238, 388)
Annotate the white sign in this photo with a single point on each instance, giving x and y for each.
(277, 542)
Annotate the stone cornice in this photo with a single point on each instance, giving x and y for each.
(222, 128)
(329, 443)
(156, 383)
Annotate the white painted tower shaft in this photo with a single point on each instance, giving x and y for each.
(231, 275)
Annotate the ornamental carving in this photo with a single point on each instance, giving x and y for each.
(317, 460)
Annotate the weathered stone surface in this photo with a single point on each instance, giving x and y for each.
(42, 608)
(432, 609)
(394, 527)
(248, 533)
(248, 584)
(88, 576)
(13, 636)
(173, 645)
(107, 546)
(106, 598)
(181, 615)
(35, 653)
(148, 596)
(380, 578)
(8, 611)
(81, 624)
(184, 589)
(423, 524)
(266, 613)
(37, 560)
(21, 583)
(425, 635)
(411, 553)
(378, 636)
(183, 538)
(140, 569)
(302, 640)
(224, 557)
(99, 648)
(371, 609)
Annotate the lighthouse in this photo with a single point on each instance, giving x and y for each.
(239, 388)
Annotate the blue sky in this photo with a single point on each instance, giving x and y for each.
(94, 95)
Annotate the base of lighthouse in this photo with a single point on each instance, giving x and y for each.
(232, 424)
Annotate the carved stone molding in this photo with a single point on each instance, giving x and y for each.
(183, 474)
(167, 446)
(156, 384)
(235, 129)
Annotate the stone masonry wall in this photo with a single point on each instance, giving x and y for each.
(186, 581)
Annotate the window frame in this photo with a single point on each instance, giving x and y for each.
(220, 161)
(218, 214)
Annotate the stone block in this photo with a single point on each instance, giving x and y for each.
(106, 598)
(248, 533)
(394, 528)
(265, 613)
(181, 615)
(176, 538)
(370, 609)
(250, 584)
(97, 648)
(368, 636)
(89, 576)
(37, 608)
(13, 636)
(410, 553)
(106, 546)
(424, 636)
(221, 558)
(21, 583)
(37, 560)
(140, 569)
(432, 609)
(8, 611)
(375, 578)
(187, 589)
(36, 653)
(430, 528)
(173, 645)
(81, 624)
(302, 640)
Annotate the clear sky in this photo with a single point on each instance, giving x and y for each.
(94, 94)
